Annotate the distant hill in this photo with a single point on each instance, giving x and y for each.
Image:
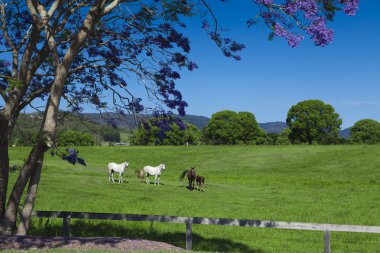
(128, 122)
(273, 127)
(345, 133)
(199, 121)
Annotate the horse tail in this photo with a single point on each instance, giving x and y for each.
(182, 175)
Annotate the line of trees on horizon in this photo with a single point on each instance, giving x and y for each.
(309, 122)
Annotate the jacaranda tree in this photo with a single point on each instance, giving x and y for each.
(84, 50)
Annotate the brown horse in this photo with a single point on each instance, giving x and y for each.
(190, 173)
(200, 182)
(140, 174)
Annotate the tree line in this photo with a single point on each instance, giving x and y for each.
(72, 131)
(309, 122)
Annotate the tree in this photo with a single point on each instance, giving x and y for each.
(82, 51)
(176, 132)
(283, 138)
(250, 128)
(109, 134)
(229, 127)
(75, 138)
(224, 128)
(365, 131)
(312, 121)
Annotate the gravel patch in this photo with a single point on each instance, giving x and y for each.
(83, 243)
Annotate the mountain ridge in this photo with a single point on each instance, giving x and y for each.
(129, 123)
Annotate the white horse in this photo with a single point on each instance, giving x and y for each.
(154, 171)
(114, 167)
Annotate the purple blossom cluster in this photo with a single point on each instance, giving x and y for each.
(320, 33)
(230, 48)
(285, 17)
(166, 88)
(293, 40)
(135, 106)
(71, 156)
(350, 6)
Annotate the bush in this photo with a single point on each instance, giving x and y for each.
(75, 138)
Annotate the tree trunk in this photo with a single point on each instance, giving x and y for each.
(7, 123)
(4, 171)
(29, 199)
(48, 126)
(45, 141)
(10, 215)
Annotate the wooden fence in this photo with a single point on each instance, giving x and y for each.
(327, 228)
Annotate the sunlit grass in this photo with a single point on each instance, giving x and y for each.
(322, 184)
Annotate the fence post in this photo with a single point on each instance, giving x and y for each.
(66, 226)
(189, 240)
(327, 242)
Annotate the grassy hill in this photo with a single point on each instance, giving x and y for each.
(324, 184)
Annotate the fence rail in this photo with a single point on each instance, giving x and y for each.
(327, 228)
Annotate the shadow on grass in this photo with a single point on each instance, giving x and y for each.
(81, 228)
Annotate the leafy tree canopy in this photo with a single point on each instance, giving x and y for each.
(75, 138)
(312, 121)
(365, 131)
(283, 138)
(229, 127)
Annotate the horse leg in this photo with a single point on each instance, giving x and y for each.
(158, 180)
(113, 181)
(120, 177)
(147, 179)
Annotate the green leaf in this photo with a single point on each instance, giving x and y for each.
(14, 83)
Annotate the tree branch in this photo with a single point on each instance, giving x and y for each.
(34, 95)
(32, 6)
(53, 8)
(111, 6)
(4, 27)
(49, 34)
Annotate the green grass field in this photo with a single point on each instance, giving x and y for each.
(322, 184)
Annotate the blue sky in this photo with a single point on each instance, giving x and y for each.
(272, 76)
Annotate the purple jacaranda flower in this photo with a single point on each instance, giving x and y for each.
(320, 33)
